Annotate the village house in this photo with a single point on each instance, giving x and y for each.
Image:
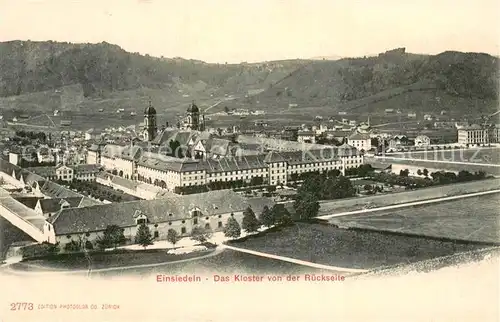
(306, 136)
(422, 141)
(360, 141)
(82, 172)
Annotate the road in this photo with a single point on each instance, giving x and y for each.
(409, 204)
(296, 261)
(216, 104)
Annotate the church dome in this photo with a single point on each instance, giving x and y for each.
(149, 110)
(193, 108)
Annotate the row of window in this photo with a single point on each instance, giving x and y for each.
(298, 166)
(219, 174)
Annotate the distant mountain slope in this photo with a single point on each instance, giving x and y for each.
(104, 70)
(341, 83)
(100, 68)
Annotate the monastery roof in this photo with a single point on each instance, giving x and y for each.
(21, 210)
(175, 207)
(54, 204)
(28, 201)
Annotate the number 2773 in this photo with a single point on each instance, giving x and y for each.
(21, 306)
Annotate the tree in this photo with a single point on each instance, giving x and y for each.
(250, 223)
(173, 236)
(266, 218)
(364, 169)
(425, 172)
(88, 245)
(113, 236)
(404, 173)
(143, 236)
(280, 215)
(419, 172)
(232, 228)
(200, 234)
(72, 246)
(306, 205)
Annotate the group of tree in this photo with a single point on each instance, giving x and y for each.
(236, 184)
(79, 244)
(424, 172)
(112, 237)
(327, 187)
(278, 215)
(305, 175)
(321, 187)
(160, 183)
(39, 250)
(188, 190)
(443, 177)
(432, 179)
(201, 234)
(393, 179)
(306, 204)
(464, 176)
(373, 189)
(39, 136)
(360, 171)
(323, 139)
(404, 173)
(98, 191)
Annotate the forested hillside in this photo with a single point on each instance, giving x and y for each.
(101, 69)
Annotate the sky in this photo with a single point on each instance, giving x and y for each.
(259, 30)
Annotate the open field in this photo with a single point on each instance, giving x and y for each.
(86, 113)
(325, 244)
(351, 204)
(223, 263)
(472, 155)
(489, 169)
(473, 219)
(106, 259)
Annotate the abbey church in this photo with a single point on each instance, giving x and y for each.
(193, 120)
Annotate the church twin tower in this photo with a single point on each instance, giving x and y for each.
(192, 121)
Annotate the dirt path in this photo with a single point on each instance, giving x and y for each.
(409, 204)
(296, 261)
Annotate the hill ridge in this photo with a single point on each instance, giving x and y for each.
(103, 68)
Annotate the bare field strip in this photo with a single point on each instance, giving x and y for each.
(472, 219)
(351, 204)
